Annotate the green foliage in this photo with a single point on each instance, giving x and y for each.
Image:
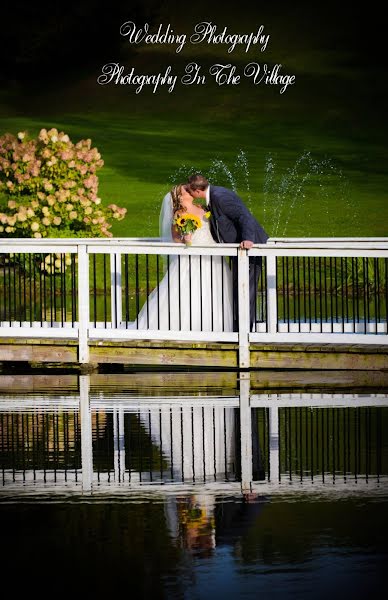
(49, 188)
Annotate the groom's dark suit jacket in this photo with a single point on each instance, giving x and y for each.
(231, 222)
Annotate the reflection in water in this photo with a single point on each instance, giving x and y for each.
(221, 493)
(114, 441)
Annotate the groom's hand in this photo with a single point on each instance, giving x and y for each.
(247, 244)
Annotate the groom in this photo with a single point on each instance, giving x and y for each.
(231, 222)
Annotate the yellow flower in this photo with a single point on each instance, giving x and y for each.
(187, 222)
(208, 214)
(180, 221)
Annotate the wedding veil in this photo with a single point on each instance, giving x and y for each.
(165, 219)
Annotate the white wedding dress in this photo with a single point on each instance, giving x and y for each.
(195, 293)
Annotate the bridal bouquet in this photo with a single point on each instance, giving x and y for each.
(187, 223)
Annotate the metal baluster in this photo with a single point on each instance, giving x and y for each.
(105, 290)
(367, 293)
(331, 295)
(342, 296)
(127, 291)
(376, 274)
(179, 293)
(169, 291)
(297, 295)
(288, 294)
(333, 410)
(54, 277)
(357, 318)
(190, 299)
(309, 288)
(294, 288)
(157, 288)
(315, 291)
(201, 285)
(73, 290)
(346, 291)
(137, 289)
(386, 294)
(147, 290)
(353, 296)
(211, 293)
(222, 259)
(51, 276)
(320, 294)
(304, 290)
(325, 287)
(24, 289)
(94, 290)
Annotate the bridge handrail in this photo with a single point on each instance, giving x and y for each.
(359, 325)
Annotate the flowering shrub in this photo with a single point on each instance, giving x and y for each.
(49, 188)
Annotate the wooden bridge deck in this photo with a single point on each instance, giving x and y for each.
(176, 354)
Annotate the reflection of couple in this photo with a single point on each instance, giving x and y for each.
(200, 522)
(200, 292)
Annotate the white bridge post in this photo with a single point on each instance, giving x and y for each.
(83, 303)
(272, 309)
(116, 301)
(243, 308)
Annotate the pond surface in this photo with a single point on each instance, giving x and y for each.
(192, 486)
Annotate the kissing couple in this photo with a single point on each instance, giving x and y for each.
(200, 293)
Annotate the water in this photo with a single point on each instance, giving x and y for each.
(193, 485)
(308, 186)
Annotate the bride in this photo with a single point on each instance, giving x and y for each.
(195, 293)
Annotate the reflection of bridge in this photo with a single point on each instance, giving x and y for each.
(115, 442)
(81, 298)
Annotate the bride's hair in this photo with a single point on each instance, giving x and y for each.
(176, 195)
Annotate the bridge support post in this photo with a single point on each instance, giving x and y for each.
(116, 292)
(243, 309)
(272, 309)
(83, 304)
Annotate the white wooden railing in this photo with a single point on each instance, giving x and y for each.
(365, 321)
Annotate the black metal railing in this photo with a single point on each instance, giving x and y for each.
(38, 288)
(332, 294)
